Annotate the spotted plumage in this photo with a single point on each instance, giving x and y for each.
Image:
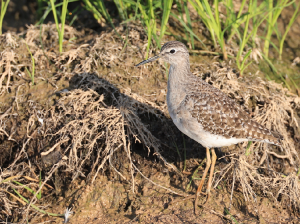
(220, 115)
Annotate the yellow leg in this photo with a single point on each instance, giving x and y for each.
(211, 173)
(208, 162)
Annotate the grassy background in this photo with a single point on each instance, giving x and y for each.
(250, 27)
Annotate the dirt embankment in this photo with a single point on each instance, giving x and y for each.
(97, 131)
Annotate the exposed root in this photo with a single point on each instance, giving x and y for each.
(7, 63)
(271, 183)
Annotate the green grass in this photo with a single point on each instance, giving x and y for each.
(31, 74)
(167, 4)
(248, 148)
(149, 20)
(60, 29)
(38, 196)
(184, 12)
(282, 39)
(37, 208)
(22, 199)
(194, 175)
(232, 218)
(99, 11)
(212, 22)
(4, 5)
(274, 11)
(254, 19)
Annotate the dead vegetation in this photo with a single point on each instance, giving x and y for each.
(85, 119)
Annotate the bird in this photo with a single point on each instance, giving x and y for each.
(204, 113)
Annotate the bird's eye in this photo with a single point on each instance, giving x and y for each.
(172, 51)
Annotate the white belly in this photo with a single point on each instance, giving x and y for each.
(189, 126)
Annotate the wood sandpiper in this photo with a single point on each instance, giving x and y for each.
(204, 113)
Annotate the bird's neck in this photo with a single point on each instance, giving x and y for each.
(178, 77)
(179, 74)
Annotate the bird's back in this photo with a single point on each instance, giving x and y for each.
(221, 116)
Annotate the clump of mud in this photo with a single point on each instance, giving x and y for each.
(90, 109)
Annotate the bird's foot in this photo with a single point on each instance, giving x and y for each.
(209, 164)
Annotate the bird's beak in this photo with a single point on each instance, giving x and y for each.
(148, 60)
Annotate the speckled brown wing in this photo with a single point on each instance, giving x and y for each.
(220, 115)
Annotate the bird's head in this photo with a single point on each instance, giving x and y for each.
(173, 52)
